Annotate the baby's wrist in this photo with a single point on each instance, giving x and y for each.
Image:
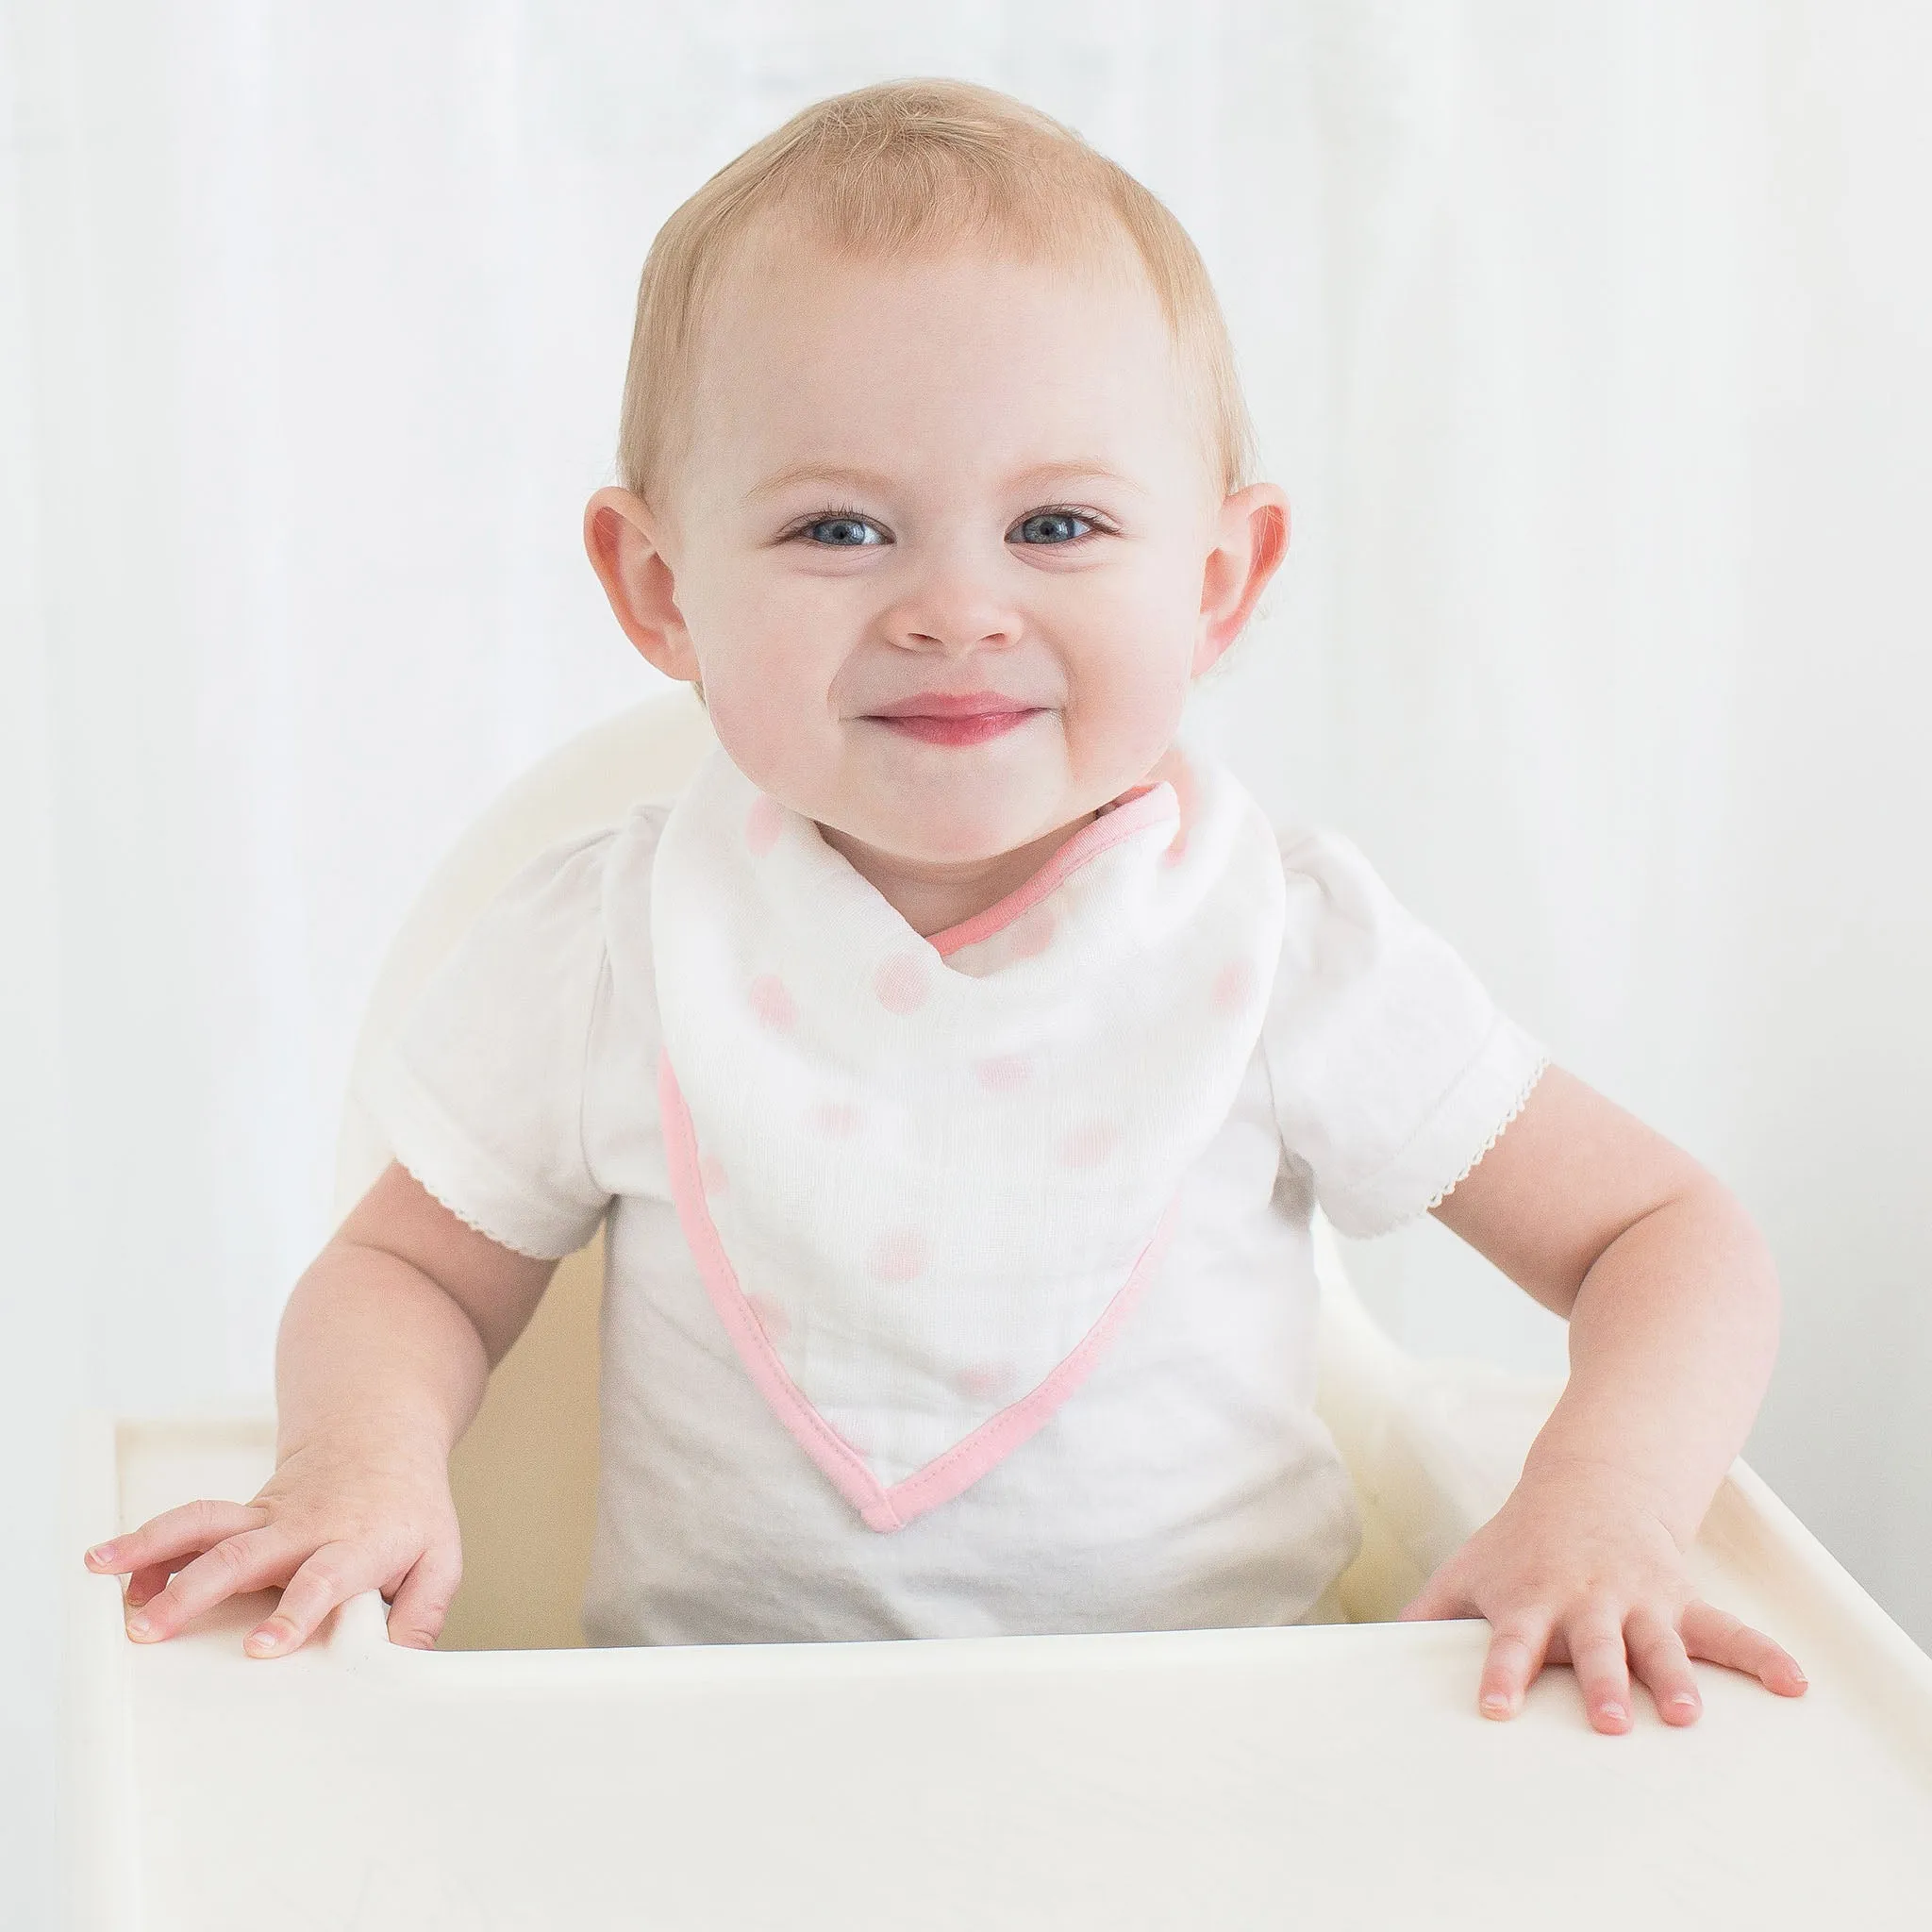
(407, 1435)
(1560, 1468)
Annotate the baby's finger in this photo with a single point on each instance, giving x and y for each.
(1658, 1657)
(146, 1583)
(1436, 1600)
(1516, 1655)
(333, 1574)
(236, 1565)
(415, 1618)
(1720, 1638)
(193, 1526)
(1596, 1654)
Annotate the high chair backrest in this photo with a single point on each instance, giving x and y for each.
(525, 1476)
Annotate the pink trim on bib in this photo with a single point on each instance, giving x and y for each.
(962, 1465)
(1127, 815)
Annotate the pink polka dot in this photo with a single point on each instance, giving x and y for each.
(1032, 932)
(987, 1380)
(1233, 986)
(772, 1318)
(834, 1117)
(899, 1254)
(1088, 1144)
(711, 1174)
(762, 825)
(901, 983)
(1003, 1073)
(772, 1002)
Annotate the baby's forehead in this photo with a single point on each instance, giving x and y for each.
(781, 276)
(784, 292)
(810, 350)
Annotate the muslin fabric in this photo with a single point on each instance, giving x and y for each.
(920, 1170)
(1187, 1482)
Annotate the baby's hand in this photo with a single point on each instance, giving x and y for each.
(1574, 1569)
(342, 1513)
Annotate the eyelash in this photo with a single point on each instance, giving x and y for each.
(1056, 509)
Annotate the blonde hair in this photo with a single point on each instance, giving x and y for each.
(895, 171)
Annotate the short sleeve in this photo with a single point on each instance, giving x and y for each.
(480, 1091)
(1392, 1071)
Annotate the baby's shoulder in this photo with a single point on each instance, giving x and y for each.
(614, 883)
(578, 889)
(1336, 899)
(1353, 954)
(594, 861)
(630, 845)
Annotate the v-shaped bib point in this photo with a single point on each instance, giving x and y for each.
(926, 1180)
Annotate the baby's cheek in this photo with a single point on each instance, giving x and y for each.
(1125, 721)
(770, 742)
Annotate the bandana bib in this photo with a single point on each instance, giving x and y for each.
(924, 1179)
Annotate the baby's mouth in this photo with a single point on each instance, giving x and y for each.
(962, 717)
(973, 728)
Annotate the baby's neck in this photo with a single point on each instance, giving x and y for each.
(931, 898)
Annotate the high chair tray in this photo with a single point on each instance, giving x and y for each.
(1321, 1775)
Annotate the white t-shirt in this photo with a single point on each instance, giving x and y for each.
(1187, 1483)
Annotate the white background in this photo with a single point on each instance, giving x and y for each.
(1589, 340)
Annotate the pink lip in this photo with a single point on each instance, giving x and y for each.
(973, 729)
(938, 704)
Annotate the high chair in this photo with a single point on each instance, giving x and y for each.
(1334, 1774)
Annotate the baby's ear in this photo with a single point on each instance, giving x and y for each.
(620, 540)
(1251, 540)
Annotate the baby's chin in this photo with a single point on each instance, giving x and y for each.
(935, 836)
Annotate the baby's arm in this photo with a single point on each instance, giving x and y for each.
(1673, 1305)
(384, 1352)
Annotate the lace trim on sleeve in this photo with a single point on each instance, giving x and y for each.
(1528, 1087)
(470, 1220)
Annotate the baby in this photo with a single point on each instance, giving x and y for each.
(956, 1063)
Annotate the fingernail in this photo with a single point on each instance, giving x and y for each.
(1683, 1701)
(1495, 1701)
(139, 1624)
(263, 1638)
(1614, 1712)
(100, 1552)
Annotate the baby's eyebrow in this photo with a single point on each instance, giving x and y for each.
(849, 477)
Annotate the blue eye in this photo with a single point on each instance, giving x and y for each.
(848, 529)
(1061, 517)
(848, 521)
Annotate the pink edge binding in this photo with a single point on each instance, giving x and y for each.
(947, 1474)
(1127, 815)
